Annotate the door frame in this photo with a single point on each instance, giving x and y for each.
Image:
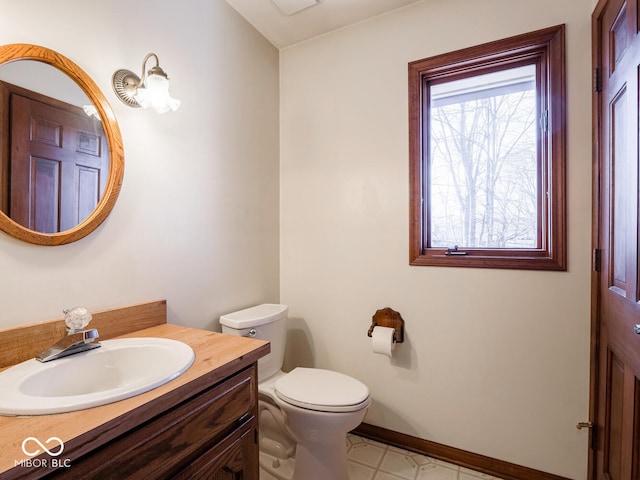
(596, 56)
(597, 442)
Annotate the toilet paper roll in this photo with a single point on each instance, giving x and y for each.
(382, 340)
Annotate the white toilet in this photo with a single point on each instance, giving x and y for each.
(304, 414)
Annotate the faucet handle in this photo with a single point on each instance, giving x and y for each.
(76, 318)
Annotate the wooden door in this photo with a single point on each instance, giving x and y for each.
(58, 162)
(616, 328)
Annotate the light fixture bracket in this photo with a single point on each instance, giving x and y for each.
(125, 85)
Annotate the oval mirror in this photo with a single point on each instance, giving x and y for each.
(61, 153)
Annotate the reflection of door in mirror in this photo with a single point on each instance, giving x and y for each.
(57, 161)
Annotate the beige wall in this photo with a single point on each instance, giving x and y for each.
(495, 362)
(197, 219)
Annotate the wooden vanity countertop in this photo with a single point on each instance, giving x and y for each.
(217, 356)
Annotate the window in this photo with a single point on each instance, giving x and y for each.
(487, 155)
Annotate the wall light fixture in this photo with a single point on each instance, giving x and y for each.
(150, 91)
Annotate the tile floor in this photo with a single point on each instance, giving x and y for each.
(371, 460)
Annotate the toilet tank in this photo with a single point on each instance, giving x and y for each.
(265, 322)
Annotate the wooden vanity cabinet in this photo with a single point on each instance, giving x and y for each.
(213, 435)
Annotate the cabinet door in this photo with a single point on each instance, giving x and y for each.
(235, 458)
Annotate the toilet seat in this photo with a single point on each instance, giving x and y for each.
(322, 390)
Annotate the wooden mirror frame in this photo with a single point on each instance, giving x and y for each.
(19, 51)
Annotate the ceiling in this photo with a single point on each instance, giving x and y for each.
(275, 20)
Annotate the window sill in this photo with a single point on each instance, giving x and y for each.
(513, 259)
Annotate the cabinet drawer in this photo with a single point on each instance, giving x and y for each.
(236, 457)
(163, 446)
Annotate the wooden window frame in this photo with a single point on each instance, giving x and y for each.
(547, 49)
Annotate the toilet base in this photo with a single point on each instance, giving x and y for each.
(321, 461)
(309, 464)
(274, 468)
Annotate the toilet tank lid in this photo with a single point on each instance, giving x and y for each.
(253, 316)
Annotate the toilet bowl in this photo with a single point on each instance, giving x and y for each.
(305, 414)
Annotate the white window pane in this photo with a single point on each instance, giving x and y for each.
(483, 161)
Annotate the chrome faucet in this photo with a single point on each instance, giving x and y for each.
(77, 340)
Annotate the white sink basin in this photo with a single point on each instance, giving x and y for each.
(119, 369)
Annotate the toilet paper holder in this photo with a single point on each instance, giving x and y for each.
(387, 317)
